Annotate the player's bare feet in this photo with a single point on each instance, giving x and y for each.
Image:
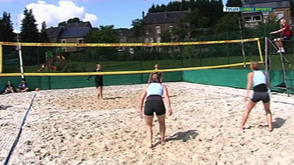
(270, 129)
(162, 142)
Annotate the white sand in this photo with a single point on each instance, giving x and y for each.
(73, 127)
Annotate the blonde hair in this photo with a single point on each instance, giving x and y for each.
(254, 65)
(154, 78)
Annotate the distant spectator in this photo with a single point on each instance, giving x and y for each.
(9, 88)
(23, 86)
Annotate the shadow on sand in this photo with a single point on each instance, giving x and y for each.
(3, 107)
(279, 122)
(112, 98)
(183, 136)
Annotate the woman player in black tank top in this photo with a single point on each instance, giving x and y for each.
(159, 74)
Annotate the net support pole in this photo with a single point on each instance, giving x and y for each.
(259, 50)
(1, 59)
(20, 57)
(242, 43)
(267, 60)
(266, 55)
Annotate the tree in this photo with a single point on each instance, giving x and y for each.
(229, 22)
(166, 36)
(181, 30)
(152, 8)
(138, 28)
(6, 28)
(71, 20)
(43, 35)
(62, 23)
(103, 34)
(74, 20)
(29, 31)
(234, 3)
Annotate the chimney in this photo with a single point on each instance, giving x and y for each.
(165, 13)
(143, 14)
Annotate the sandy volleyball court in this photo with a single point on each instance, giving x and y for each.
(72, 127)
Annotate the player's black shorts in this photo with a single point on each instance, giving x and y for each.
(286, 38)
(154, 104)
(98, 84)
(260, 96)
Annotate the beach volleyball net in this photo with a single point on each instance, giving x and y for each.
(79, 59)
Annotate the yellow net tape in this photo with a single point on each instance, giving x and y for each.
(126, 72)
(126, 44)
(1, 59)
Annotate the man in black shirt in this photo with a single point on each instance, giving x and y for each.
(98, 80)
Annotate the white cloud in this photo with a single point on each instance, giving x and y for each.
(53, 14)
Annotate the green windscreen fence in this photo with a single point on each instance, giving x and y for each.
(236, 78)
(68, 82)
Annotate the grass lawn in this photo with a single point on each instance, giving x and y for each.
(164, 64)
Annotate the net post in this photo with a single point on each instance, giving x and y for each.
(267, 60)
(259, 49)
(266, 55)
(141, 68)
(1, 59)
(228, 56)
(20, 57)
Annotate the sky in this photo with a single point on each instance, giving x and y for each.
(119, 13)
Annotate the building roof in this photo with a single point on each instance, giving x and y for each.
(122, 31)
(267, 3)
(75, 32)
(163, 17)
(262, 1)
(79, 24)
(54, 32)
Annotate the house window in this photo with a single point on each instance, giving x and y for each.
(265, 13)
(63, 41)
(79, 41)
(120, 49)
(279, 15)
(256, 18)
(157, 29)
(132, 50)
(158, 39)
(151, 40)
(170, 29)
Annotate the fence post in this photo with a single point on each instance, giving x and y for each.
(228, 57)
(1, 58)
(141, 65)
(49, 82)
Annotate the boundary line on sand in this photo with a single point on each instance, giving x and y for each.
(20, 131)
